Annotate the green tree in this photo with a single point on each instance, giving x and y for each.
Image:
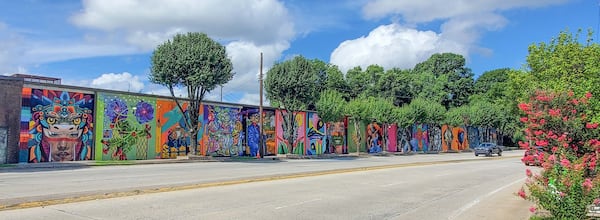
(195, 62)
(566, 64)
(356, 80)
(331, 106)
(291, 84)
(358, 110)
(395, 85)
(459, 82)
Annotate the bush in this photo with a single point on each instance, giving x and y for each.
(567, 182)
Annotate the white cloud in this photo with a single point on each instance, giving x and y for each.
(119, 81)
(429, 10)
(392, 46)
(148, 22)
(396, 45)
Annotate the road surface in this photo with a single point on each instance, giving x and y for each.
(457, 186)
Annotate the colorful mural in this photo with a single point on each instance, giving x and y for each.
(128, 127)
(404, 140)
(268, 135)
(420, 138)
(435, 137)
(392, 138)
(337, 130)
(473, 136)
(171, 132)
(374, 137)
(56, 126)
(299, 135)
(223, 131)
(315, 133)
(454, 138)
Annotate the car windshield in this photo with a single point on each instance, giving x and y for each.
(485, 145)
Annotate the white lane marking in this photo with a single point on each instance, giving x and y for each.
(474, 202)
(297, 204)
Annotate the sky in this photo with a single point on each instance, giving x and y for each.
(108, 43)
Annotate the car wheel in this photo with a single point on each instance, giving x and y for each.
(500, 153)
(489, 154)
(477, 155)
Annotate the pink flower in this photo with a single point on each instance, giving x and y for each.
(570, 93)
(528, 172)
(542, 121)
(561, 194)
(542, 143)
(575, 102)
(523, 145)
(554, 149)
(554, 112)
(596, 201)
(532, 209)
(591, 126)
(524, 107)
(524, 119)
(565, 163)
(587, 184)
(552, 158)
(588, 95)
(538, 132)
(521, 193)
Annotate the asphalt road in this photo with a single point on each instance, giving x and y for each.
(458, 186)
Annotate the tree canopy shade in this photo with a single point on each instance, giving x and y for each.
(292, 84)
(331, 106)
(195, 62)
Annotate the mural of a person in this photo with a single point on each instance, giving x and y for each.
(254, 134)
(62, 126)
(374, 138)
(448, 137)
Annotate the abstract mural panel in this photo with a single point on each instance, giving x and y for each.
(172, 135)
(128, 126)
(298, 136)
(392, 138)
(374, 137)
(435, 138)
(473, 136)
(316, 135)
(404, 140)
(56, 126)
(223, 131)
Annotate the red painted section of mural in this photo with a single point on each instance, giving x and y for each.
(392, 138)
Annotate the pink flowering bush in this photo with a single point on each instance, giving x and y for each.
(567, 183)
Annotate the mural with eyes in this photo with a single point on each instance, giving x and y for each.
(61, 126)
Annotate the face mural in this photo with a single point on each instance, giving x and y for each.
(61, 126)
(338, 136)
(435, 138)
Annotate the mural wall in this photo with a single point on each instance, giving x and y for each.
(374, 137)
(316, 135)
(435, 138)
(473, 136)
(404, 136)
(223, 133)
(338, 137)
(299, 135)
(454, 138)
(420, 138)
(352, 147)
(392, 138)
(56, 126)
(172, 137)
(128, 126)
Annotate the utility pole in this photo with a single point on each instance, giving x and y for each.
(221, 93)
(260, 108)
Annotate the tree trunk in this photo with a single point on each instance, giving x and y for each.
(290, 130)
(193, 141)
(357, 136)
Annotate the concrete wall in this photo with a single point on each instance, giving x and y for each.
(10, 114)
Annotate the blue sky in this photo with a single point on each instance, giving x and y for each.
(108, 43)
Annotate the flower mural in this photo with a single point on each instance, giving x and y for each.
(126, 134)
